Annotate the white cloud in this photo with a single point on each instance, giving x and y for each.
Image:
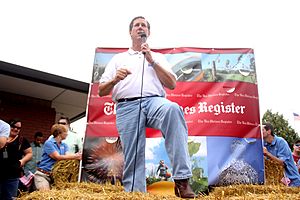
(151, 144)
(150, 167)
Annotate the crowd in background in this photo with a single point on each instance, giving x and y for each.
(26, 166)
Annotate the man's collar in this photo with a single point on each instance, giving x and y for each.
(133, 52)
(273, 141)
(37, 144)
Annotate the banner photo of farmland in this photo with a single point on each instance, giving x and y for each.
(217, 90)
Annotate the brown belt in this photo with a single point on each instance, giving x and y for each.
(43, 171)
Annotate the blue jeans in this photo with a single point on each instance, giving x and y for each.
(158, 113)
(9, 189)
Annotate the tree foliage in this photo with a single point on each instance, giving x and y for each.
(281, 127)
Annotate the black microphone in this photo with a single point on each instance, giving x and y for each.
(144, 38)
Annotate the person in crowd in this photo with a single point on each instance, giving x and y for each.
(54, 149)
(162, 169)
(296, 153)
(74, 141)
(16, 153)
(4, 133)
(137, 79)
(277, 149)
(37, 149)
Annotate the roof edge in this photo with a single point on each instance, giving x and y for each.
(25, 73)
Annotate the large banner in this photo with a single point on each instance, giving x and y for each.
(217, 90)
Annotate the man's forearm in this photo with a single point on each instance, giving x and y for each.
(269, 155)
(105, 88)
(166, 78)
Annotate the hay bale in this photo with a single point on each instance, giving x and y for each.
(273, 172)
(93, 191)
(273, 190)
(65, 171)
(242, 190)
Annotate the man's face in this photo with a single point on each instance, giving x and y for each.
(39, 140)
(265, 133)
(139, 26)
(297, 147)
(64, 123)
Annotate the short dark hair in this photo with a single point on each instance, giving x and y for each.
(38, 134)
(269, 126)
(14, 121)
(66, 118)
(297, 141)
(138, 17)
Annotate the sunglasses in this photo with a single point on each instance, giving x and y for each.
(297, 145)
(17, 127)
(62, 123)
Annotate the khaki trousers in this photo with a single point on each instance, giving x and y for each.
(42, 181)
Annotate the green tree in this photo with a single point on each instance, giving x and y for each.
(281, 127)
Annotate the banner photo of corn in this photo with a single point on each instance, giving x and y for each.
(217, 91)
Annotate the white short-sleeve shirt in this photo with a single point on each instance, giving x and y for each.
(131, 85)
(4, 129)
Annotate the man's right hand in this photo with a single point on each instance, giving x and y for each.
(265, 151)
(106, 88)
(121, 74)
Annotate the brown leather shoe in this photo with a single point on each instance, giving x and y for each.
(183, 189)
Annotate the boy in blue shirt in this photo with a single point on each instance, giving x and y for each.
(278, 150)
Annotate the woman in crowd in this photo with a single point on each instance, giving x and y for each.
(54, 150)
(13, 157)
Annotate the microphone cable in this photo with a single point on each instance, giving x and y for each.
(139, 119)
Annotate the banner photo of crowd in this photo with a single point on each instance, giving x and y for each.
(217, 91)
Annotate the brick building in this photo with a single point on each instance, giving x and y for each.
(39, 98)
